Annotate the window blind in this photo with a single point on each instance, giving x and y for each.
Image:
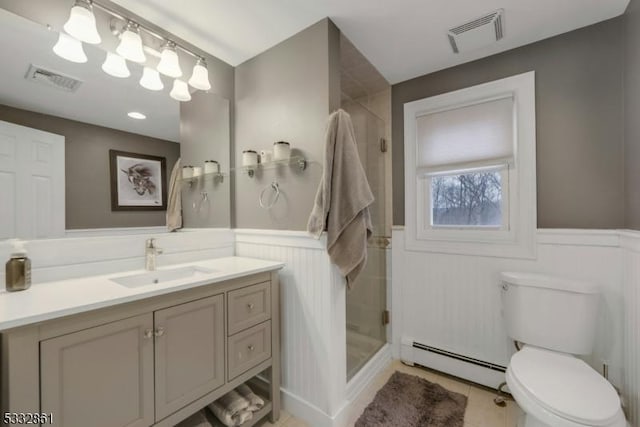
(466, 137)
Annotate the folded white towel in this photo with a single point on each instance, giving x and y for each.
(255, 402)
(231, 409)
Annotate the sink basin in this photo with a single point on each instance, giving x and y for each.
(161, 276)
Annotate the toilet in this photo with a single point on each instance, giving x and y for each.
(554, 320)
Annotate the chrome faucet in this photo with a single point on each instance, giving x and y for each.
(150, 252)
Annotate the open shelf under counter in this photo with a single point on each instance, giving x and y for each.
(258, 416)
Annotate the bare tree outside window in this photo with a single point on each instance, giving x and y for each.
(468, 199)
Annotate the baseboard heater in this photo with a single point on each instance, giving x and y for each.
(460, 357)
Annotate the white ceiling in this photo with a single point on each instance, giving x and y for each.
(402, 38)
(101, 99)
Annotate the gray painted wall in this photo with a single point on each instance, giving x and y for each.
(632, 124)
(88, 191)
(286, 93)
(579, 110)
(205, 135)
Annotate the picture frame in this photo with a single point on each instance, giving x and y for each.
(138, 181)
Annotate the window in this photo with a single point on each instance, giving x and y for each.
(470, 170)
(468, 199)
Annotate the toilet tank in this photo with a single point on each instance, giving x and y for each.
(550, 312)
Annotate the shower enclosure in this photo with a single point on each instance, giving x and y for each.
(366, 300)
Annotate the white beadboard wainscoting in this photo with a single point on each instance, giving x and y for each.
(89, 253)
(313, 303)
(452, 302)
(630, 243)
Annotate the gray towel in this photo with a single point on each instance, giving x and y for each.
(174, 202)
(231, 409)
(343, 199)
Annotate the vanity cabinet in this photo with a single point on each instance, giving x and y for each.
(189, 353)
(100, 376)
(151, 362)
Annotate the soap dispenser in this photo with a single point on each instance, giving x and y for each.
(18, 268)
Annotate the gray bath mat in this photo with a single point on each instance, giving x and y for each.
(410, 401)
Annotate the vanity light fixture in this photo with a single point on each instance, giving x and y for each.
(70, 49)
(180, 91)
(169, 63)
(151, 79)
(81, 27)
(136, 115)
(200, 77)
(116, 66)
(82, 23)
(130, 46)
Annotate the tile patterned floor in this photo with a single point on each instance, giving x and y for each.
(481, 411)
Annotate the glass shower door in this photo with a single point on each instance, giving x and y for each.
(366, 300)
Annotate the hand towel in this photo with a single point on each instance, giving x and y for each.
(255, 402)
(231, 409)
(174, 201)
(343, 199)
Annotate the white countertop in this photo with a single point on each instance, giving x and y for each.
(52, 300)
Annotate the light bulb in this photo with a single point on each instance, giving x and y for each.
(70, 49)
(180, 91)
(200, 77)
(151, 79)
(169, 64)
(116, 66)
(130, 46)
(82, 23)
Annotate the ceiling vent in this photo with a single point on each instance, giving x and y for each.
(52, 79)
(478, 33)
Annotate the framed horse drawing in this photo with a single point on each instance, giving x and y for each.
(138, 182)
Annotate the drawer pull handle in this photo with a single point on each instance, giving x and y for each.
(251, 347)
(250, 306)
(148, 333)
(159, 332)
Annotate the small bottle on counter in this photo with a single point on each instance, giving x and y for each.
(18, 268)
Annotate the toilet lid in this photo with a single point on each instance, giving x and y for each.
(565, 385)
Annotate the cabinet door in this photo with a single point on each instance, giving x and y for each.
(189, 352)
(100, 377)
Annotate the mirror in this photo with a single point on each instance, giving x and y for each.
(45, 99)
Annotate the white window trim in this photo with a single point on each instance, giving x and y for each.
(519, 240)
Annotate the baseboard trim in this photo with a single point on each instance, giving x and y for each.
(316, 417)
(373, 367)
(457, 368)
(304, 410)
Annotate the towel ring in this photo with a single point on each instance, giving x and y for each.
(276, 189)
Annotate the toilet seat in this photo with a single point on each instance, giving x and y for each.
(562, 388)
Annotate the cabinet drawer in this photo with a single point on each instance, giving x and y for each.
(249, 306)
(249, 348)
